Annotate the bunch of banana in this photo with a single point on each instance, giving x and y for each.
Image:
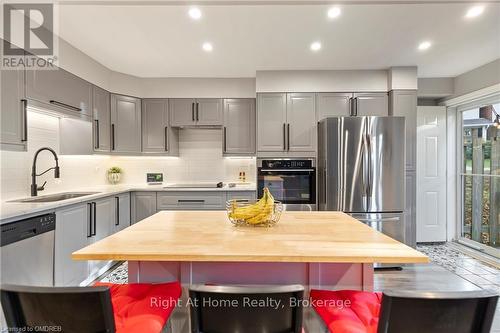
(258, 213)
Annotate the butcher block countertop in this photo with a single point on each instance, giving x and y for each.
(330, 237)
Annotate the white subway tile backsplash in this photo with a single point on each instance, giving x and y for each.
(200, 160)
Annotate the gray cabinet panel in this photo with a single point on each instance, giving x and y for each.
(404, 103)
(271, 122)
(239, 126)
(333, 105)
(143, 205)
(104, 216)
(182, 112)
(71, 235)
(60, 89)
(410, 213)
(301, 122)
(125, 124)
(371, 104)
(208, 111)
(190, 200)
(101, 112)
(122, 212)
(13, 122)
(155, 129)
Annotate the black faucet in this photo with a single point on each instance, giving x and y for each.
(34, 186)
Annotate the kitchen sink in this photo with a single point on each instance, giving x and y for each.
(55, 197)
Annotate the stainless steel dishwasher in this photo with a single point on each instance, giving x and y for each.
(27, 251)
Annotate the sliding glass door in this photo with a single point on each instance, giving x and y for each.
(480, 178)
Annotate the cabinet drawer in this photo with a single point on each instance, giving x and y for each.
(241, 195)
(190, 200)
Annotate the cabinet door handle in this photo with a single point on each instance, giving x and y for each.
(224, 138)
(284, 136)
(89, 222)
(112, 136)
(192, 111)
(24, 103)
(94, 218)
(96, 133)
(117, 220)
(190, 201)
(288, 136)
(166, 138)
(64, 105)
(197, 111)
(355, 106)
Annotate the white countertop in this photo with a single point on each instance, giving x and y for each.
(10, 211)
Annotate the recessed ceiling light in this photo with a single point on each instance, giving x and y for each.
(207, 47)
(424, 45)
(334, 12)
(316, 46)
(195, 13)
(474, 11)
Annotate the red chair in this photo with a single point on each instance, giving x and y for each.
(405, 311)
(126, 308)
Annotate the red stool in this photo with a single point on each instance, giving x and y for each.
(347, 311)
(142, 307)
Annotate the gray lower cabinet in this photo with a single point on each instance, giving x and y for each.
(410, 213)
(238, 133)
(271, 122)
(157, 135)
(190, 200)
(371, 104)
(241, 195)
(143, 205)
(195, 112)
(122, 212)
(13, 116)
(103, 225)
(333, 105)
(301, 122)
(125, 124)
(61, 90)
(72, 234)
(404, 103)
(101, 114)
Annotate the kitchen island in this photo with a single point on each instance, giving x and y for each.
(327, 250)
(316, 249)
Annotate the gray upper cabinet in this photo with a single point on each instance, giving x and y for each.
(61, 90)
(13, 122)
(195, 112)
(101, 112)
(371, 104)
(157, 135)
(301, 122)
(333, 105)
(125, 124)
(271, 122)
(239, 126)
(404, 103)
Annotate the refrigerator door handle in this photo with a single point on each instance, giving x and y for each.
(369, 189)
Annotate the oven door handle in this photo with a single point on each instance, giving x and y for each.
(287, 170)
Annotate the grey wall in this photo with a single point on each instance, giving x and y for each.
(481, 77)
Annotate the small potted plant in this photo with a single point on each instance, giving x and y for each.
(114, 175)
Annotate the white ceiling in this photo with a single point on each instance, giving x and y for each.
(162, 41)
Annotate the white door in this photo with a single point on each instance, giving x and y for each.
(431, 174)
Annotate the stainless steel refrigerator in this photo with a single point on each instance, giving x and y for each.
(361, 163)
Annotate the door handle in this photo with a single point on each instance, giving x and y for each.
(96, 133)
(224, 138)
(197, 111)
(190, 201)
(288, 136)
(89, 224)
(24, 103)
(166, 138)
(117, 220)
(94, 215)
(112, 136)
(192, 111)
(64, 105)
(284, 136)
